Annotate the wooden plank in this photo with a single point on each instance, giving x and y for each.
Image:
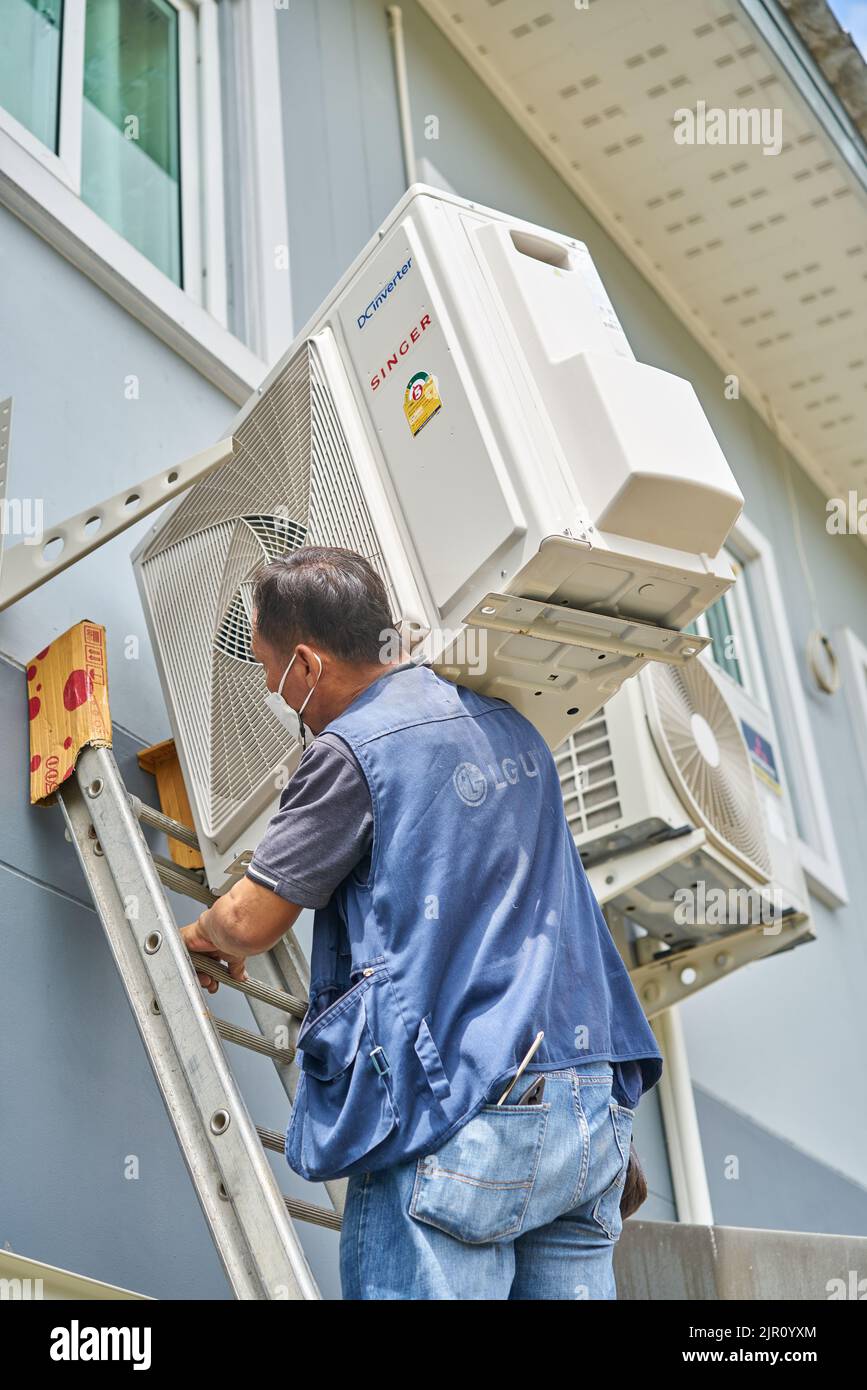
(161, 759)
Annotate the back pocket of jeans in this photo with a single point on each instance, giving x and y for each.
(476, 1187)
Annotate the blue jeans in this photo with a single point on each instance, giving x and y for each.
(522, 1202)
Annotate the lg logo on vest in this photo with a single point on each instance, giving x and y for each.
(471, 783)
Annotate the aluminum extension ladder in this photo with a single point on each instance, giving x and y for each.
(250, 1220)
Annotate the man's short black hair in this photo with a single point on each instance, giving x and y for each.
(326, 595)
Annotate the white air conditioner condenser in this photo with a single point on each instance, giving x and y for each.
(674, 751)
(464, 409)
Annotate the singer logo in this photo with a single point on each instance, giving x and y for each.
(403, 347)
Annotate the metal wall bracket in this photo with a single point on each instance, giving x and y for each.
(26, 565)
(578, 627)
(556, 665)
(665, 977)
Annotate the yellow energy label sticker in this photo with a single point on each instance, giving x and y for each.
(421, 400)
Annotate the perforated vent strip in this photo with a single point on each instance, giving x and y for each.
(587, 778)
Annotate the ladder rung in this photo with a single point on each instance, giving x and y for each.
(254, 1041)
(272, 1139)
(183, 880)
(175, 828)
(280, 1000)
(308, 1211)
(296, 1206)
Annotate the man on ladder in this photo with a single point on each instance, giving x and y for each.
(457, 945)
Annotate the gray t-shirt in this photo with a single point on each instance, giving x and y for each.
(324, 826)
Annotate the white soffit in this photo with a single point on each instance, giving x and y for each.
(763, 257)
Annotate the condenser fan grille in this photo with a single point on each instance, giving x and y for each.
(290, 482)
(234, 634)
(699, 741)
(270, 536)
(276, 534)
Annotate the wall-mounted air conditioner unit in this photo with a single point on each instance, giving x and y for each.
(679, 750)
(464, 409)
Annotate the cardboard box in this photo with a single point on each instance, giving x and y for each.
(67, 694)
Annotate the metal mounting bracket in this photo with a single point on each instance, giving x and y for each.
(578, 627)
(26, 565)
(662, 980)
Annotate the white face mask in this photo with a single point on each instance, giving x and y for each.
(291, 718)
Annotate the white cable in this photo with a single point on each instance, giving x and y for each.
(818, 641)
(395, 29)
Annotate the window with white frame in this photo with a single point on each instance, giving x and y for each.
(131, 126)
(112, 149)
(105, 94)
(730, 626)
(768, 669)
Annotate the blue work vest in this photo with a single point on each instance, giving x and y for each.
(474, 929)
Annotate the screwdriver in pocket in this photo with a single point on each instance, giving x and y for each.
(535, 1043)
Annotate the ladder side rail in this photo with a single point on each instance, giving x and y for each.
(259, 1247)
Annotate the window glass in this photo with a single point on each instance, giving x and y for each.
(30, 65)
(723, 639)
(131, 128)
(725, 648)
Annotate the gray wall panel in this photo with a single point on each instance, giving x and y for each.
(758, 1178)
(77, 439)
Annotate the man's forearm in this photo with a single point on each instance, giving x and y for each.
(248, 919)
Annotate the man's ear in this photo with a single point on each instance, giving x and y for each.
(312, 658)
